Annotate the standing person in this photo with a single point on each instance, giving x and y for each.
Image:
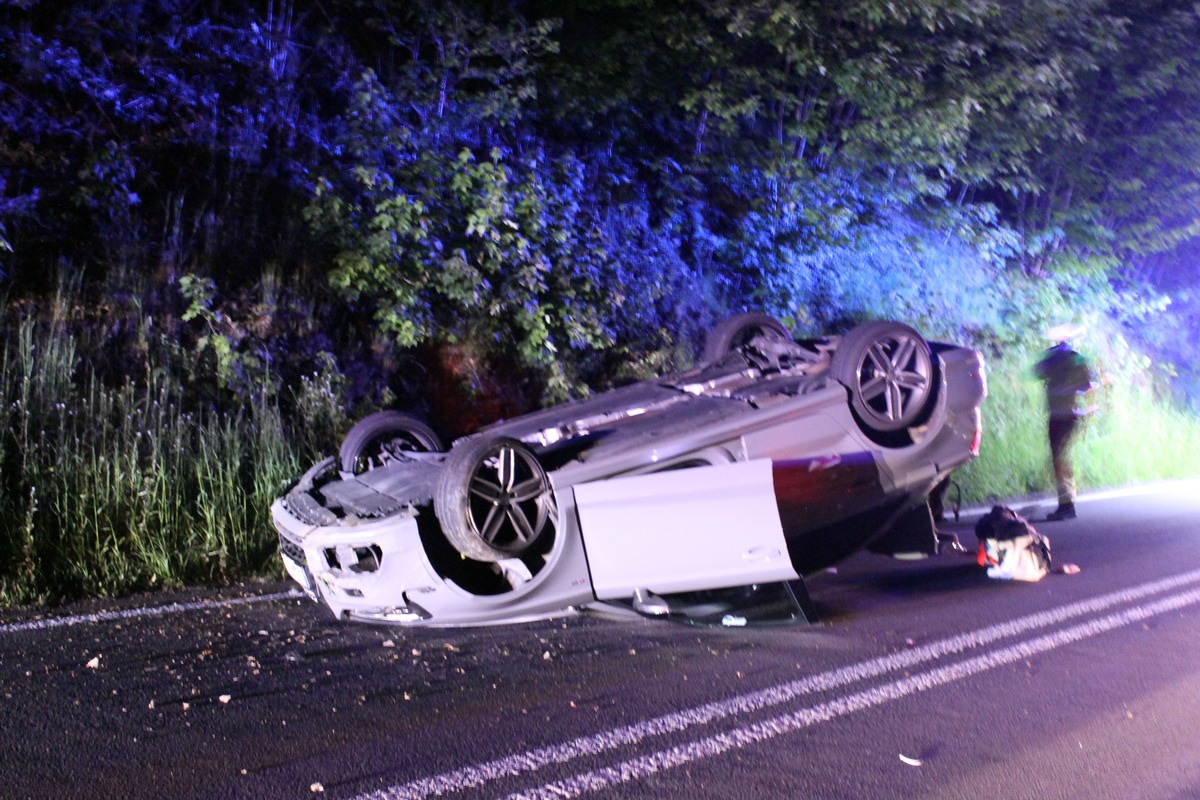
(1068, 378)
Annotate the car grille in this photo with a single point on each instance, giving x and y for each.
(306, 509)
(292, 550)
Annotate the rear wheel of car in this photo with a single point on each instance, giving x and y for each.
(740, 329)
(380, 438)
(494, 500)
(888, 369)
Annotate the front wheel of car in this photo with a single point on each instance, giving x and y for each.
(888, 369)
(382, 438)
(493, 499)
(740, 329)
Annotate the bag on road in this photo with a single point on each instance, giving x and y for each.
(1010, 547)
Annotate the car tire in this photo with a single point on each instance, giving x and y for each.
(378, 438)
(493, 499)
(888, 369)
(738, 330)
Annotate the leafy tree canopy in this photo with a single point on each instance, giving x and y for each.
(554, 190)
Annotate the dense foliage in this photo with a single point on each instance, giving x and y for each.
(494, 205)
(558, 190)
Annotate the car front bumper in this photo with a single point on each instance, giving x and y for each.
(367, 571)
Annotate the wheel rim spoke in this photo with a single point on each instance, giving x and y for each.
(506, 469)
(874, 388)
(879, 358)
(492, 526)
(527, 490)
(895, 400)
(520, 523)
(487, 490)
(905, 349)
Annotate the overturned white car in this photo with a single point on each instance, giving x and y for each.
(769, 461)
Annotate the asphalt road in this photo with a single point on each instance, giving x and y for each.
(923, 680)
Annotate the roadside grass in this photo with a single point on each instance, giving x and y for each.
(108, 490)
(1135, 435)
(1138, 437)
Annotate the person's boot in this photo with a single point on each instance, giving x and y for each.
(1066, 511)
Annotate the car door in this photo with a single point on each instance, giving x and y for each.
(683, 530)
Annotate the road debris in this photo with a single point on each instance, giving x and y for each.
(912, 762)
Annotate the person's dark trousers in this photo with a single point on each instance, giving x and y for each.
(1062, 431)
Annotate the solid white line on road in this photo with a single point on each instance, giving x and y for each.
(1182, 487)
(136, 613)
(707, 747)
(479, 774)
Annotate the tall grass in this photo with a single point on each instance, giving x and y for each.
(1135, 434)
(106, 490)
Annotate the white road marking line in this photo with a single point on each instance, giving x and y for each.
(1185, 487)
(136, 613)
(478, 774)
(641, 767)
